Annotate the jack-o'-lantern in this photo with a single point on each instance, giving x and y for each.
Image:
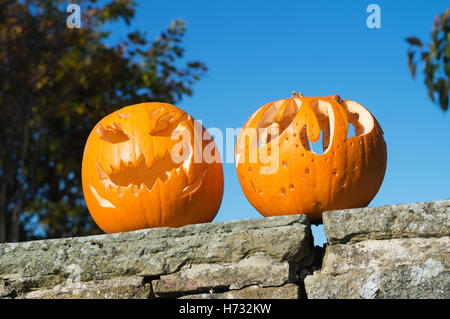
(291, 178)
(143, 166)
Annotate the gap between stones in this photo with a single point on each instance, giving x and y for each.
(301, 272)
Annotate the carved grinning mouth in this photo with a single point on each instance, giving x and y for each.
(140, 178)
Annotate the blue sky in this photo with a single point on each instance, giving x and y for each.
(260, 51)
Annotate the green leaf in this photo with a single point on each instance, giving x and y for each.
(447, 51)
(414, 41)
(442, 87)
(447, 69)
(411, 64)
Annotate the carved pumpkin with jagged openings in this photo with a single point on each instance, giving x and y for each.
(143, 166)
(347, 174)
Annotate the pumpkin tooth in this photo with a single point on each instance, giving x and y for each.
(141, 161)
(135, 189)
(121, 190)
(101, 172)
(117, 126)
(155, 159)
(122, 166)
(144, 187)
(157, 182)
(116, 188)
(111, 187)
(100, 129)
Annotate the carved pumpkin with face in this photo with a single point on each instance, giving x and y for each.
(347, 174)
(143, 167)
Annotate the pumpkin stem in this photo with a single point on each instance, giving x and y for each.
(336, 97)
(295, 94)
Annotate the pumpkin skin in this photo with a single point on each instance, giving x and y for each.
(347, 174)
(131, 180)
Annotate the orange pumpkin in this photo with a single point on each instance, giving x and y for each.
(143, 167)
(347, 174)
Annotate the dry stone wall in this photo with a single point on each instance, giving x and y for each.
(399, 251)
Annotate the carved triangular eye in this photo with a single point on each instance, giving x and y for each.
(167, 122)
(163, 122)
(113, 134)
